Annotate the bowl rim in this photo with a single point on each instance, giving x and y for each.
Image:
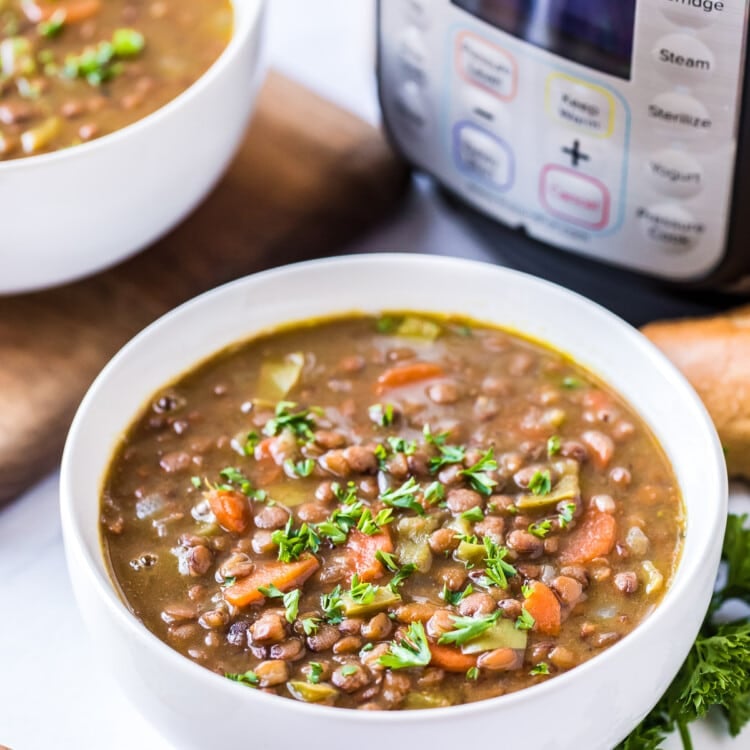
(96, 569)
(249, 20)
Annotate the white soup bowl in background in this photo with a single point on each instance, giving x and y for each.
(72, 212)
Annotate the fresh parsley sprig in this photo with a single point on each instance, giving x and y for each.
(467, 629)
(293, 542)
(404, 497)
(478, 474)
(301, 422)
(716, 673)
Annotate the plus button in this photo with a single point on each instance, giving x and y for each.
(575, 153)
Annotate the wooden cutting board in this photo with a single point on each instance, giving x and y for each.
(308, 178)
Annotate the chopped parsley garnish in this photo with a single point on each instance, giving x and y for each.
(455, 597)
(554, 445)
(332, 606)
(371, 526)
(472, 673)
(466, 629)
(525, 621)
(541, 668)
(400, 445)
(474, 514)
(566, 514)
(541, 528)
(449, 454)
(349, 669)
(389, 563)
(228, 581)
(412, 650)
(541, 483)
(248, 678)
(300, 422)
(716, 673)
(404, 497)
(387, 324)
(362, 592)
(571, 383)
(237, 479)
(197, 482)
(293, 542)
(434, 493)
(497, 570)
(247, 444)
(315, 673)
(478, 475)
(301, 468)
(381, 414)
(310, 626)
(290, 599)
(53, 26)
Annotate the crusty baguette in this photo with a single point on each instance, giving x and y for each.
(714, 355)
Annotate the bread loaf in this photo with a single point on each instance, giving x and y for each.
(714, 355)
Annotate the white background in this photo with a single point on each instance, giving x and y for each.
(53, 693)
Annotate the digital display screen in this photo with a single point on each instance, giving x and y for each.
(595, 33)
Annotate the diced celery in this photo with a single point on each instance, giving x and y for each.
(382, 599)
(503, 634)
(414, 541)
(291, 494)
(566, 489)
(468, 552)
(654, 579)
(38, 138)
(417, 701)
(311, 693)
(418, 328)
(277, 378)
(461, 525)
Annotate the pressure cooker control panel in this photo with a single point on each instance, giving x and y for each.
(617, 141)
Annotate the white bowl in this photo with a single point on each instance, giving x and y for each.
(592, 707)
(75, 211)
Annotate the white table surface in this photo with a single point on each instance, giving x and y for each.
(53, 692)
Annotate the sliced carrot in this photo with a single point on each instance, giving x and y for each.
(361, 553)
(75, 11)
(595, 537)
(395, 377)
(451, 659)
(231, 508)
(544, 607)
(285, 576)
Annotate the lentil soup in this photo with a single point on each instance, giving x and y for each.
(74, 70)
(390, 512)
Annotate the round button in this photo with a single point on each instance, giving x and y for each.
(413, 52)
(670, 226)
(675, 173)
(693, 13)
(486, 109)
(684, 58)
(679, 114)
(410, 105)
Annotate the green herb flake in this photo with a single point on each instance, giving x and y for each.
(349, 669)
(541, 483)
(497, 570)
(381, 414)
(404, 497)
(554, 445)
(310, 625)
(565, 517)
(52, 27)
(332, 606)
(455, 597)
(128, 42)
(247, 678)
(540, 669)
(472, 673)
(293, 542)
(525, 621)
(237, 480)
(571, 383)
(299, 468)
(288, 416)
(315, 673)
(474, 514)
(197, 482)
(467, 629)
(541, 528)
(478, 474)
(411, 651)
